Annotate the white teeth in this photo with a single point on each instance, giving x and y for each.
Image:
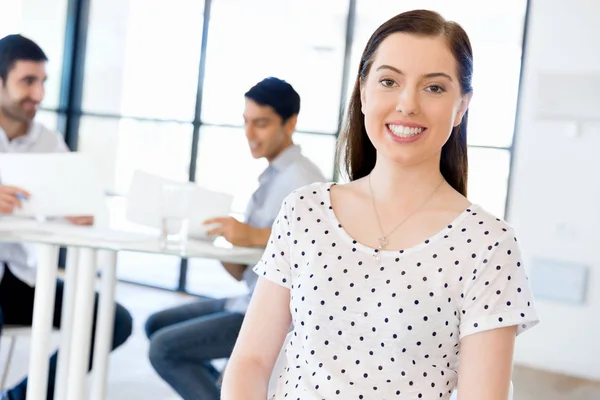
(404, 131)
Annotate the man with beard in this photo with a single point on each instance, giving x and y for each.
(22, 78)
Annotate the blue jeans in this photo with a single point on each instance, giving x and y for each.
(184, 340)
(16, 308)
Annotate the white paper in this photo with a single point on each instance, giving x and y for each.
(144, 203)
(60, 184)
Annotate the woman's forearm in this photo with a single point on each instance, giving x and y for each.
(245, 380)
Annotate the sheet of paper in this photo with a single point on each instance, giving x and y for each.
(60, 184)
(144, 203)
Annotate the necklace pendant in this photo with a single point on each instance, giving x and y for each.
(383, 242)
(377, 256)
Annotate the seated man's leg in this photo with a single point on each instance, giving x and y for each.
(122, 330)
(122, 327)
(181, 353)
(16, 303)
(182, 313)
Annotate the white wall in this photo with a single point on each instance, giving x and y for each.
(555, 192)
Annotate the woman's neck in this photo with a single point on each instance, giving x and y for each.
(404, 184)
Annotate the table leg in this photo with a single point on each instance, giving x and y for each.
(104, 327)
(66, 325)
(82, 328)
(43, 311)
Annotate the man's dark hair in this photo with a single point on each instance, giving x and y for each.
(277, 94)
(15, 48)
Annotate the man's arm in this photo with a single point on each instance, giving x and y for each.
(235, 270)
(239, 234)
(258, 238)
(10, 198)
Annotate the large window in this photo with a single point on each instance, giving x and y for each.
(142, 58)
(159, 97)
(488, 178)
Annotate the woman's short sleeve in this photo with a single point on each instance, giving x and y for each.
(497, 293)
(275, 262)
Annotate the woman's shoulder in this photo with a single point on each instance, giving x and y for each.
(472, 216)
(491, 227)
(483, 216)
(307, 205)
(314, 192)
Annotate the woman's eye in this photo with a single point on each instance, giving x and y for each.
(436, 89)
(387, 82)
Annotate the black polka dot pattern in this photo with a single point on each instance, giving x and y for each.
(390, 326)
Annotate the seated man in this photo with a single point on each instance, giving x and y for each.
(184, 340)
(22, 77)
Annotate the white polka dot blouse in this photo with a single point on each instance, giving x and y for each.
(388, 325)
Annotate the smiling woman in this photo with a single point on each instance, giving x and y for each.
(419, 291)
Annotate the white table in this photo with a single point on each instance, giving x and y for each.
(78, 302)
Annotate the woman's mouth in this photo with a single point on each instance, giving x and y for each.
(404, 131)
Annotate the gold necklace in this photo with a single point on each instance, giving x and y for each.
(383, 240)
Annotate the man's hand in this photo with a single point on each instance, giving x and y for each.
(10, 198)
(236, 232)
(81, 220)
